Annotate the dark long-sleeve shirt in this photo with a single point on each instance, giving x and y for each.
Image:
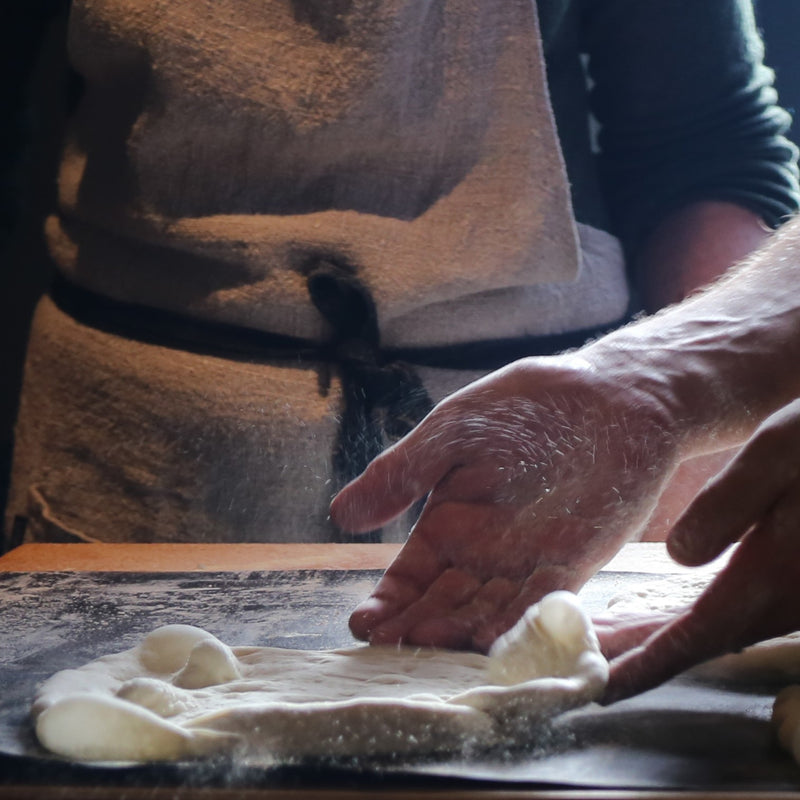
(685, 108)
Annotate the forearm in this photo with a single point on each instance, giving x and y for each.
(692, 247)
(723, 359)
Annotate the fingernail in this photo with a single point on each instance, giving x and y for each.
(680, 546)
(676, 546)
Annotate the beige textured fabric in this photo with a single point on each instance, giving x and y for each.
(219, 150)
(123, 441)
(223, 145)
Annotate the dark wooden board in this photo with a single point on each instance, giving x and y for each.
(683, 735)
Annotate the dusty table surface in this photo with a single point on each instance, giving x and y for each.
(122, 588)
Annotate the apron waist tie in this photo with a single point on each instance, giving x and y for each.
(384, 398)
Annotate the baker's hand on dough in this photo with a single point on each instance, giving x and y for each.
(756, 498)
(536, 476)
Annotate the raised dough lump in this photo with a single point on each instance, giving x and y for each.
(167, 649)
(549, 641)
(89, 727)
(157, 696)
(210, 663)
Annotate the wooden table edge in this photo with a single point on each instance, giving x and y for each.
(645, 557)
(36, 557)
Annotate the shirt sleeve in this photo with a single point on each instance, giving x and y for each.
(686, 111)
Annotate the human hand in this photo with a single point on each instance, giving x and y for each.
(537, 475)
(756, 498)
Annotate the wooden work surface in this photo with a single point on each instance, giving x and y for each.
(168, 560)
(649, 558)
(194, 557)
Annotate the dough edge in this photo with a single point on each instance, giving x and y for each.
(473, 713)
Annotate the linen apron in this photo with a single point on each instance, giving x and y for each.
(286, 228)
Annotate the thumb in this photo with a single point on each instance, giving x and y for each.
(395, 479)
(743, 492)
(728, 506)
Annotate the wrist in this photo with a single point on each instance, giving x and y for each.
(679, 389)
(717, 363)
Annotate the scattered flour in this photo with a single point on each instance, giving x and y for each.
(182, 693)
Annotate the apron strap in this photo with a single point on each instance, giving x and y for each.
(383, 398)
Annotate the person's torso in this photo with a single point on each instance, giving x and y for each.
(222, 149)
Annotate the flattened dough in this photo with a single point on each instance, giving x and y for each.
(181, 693)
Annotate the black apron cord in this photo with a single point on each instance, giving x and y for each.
(383, 399)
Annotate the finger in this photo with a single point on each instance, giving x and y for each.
(724, 618)
(671, 650)
(545, 579)
(694, 637)
(752, 599)
(405, 581)
(738, 497)
(396, 479)
(395, 595)
(573, 562)
(765, 571)
(445, 535)
(619, 636)
(456, 628)
(453, 588)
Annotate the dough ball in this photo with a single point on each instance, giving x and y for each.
(209, 664)
(167, 649)
(548, 641)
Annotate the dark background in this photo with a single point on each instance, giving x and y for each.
(29, 135)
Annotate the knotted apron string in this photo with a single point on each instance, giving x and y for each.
(383, 398)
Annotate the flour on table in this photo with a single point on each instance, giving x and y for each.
(668, 595)
(774, 660)
(182, 693)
